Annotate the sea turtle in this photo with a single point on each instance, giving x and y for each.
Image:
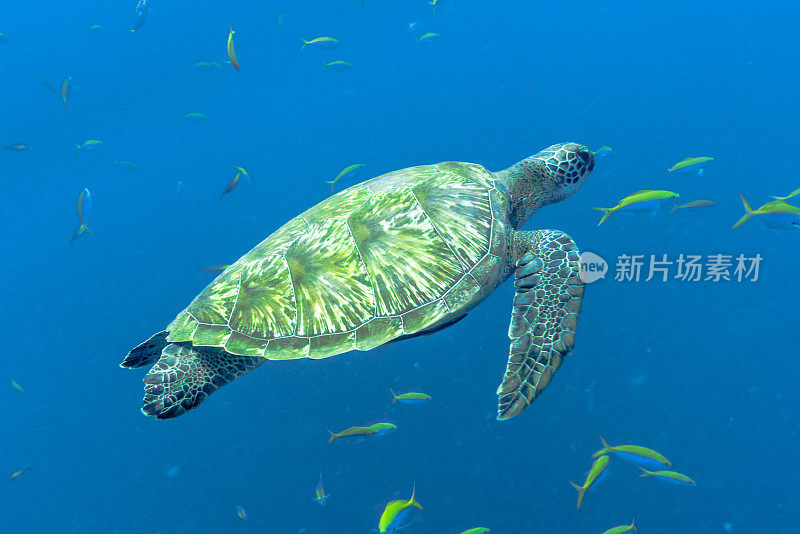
(402, 255)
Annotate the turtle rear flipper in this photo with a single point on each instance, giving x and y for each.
(184, 376)
(544, 317)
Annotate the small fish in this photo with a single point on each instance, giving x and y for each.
(132, 166)
(434, 3)
(320, 497)
(89, 143)
(241, 513)
(790, 195)
(634, 453)
(16, 386)
(669, 476)
(337, 65)
(244, 172)
(282, 18)
(4, 38)
(16, 474)
(231, 51)
(347, 170)
(65, 91)
(194, 116)
(476, 530)
(641, 201)
(597, 469)
(383, 428)
(142, 8)
(392, 518)
(179, 187)
(622, 529)
(603, 151)
(690, 165)
(321, 42)
(694, 204)
(94, 29)
(18, 147)
(353, 432)
(412, 397)
(775, 215)
(84, 212)
(216, 268)
(47, 85)
(428, 37)
(207, 65)
(231, 185)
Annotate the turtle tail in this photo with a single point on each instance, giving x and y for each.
(606, 213)
(146, 353)
(746, 217)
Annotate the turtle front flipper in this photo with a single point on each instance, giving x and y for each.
(184, 376)
(544, 317)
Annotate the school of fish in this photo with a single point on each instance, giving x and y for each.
(777, 214)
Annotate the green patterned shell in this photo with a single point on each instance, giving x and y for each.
(390, 256)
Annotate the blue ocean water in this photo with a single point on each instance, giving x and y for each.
(703, 372)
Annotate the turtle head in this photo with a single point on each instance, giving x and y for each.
(547, 177)
(566, 166)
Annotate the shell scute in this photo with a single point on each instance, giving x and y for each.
(462, 293)
(404, 178)
(377, 332)
(278, 241)
(459, 210)
(287, 348)
(339, 205)
(182, 328)
(470, 171)
(424, 316)
(244, 345)
(265, 307)
(331, 344)
(211, 335)
(487, 270)
(331, 285)
(213, 305)
(409, 264)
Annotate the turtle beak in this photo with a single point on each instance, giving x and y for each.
(587, 157)
(582, 163)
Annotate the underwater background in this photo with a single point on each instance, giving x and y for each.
(703, 372)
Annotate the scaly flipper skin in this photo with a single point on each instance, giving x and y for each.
(184, 376)
(544, 317)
